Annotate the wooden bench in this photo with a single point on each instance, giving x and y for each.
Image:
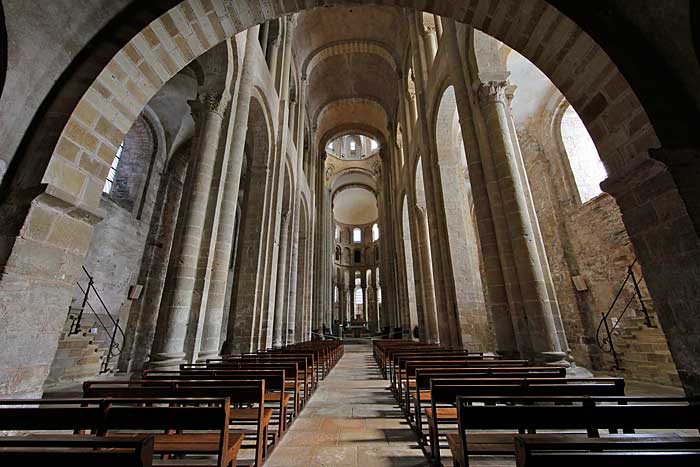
(466, 362)
(180, 427)
(207, 421)
(239, 393)
(423, 377)
(444, 393)
(276, 391)
(294, 378)
(585, 415)
(414, 367)
(76, 451)
(626, 451)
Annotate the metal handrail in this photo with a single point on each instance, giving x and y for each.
(606, 343)
(75, 328)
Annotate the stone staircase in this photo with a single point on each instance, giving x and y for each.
(78, 358)
(642, 351)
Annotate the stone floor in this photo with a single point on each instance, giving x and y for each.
(351, 420)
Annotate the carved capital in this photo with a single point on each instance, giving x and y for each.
(492, 92)
(215, 102)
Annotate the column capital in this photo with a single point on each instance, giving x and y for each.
(210, 102)
(492, 92)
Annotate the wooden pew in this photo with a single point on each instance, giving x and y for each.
(182, 427)
(208, 418)
(588, 416)
(295, 373)
(626, 451)
(305, 366)
(444, 393)
(421, 392)
(239, 393)
(413, 367)
(76, 451)
(274, 382)
(51, 415)
(466, 362)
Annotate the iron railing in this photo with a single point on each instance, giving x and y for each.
(76, 321)
(605, 340)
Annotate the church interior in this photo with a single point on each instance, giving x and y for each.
(350, 233)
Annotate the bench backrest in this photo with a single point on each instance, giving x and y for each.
(77, 451)
(424, 375)
(75, 415)
(446, 391)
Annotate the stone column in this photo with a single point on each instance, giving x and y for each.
(209, 109)
(429, 307)
(373, 315)
(211, 333)
(541, 325)
(280, 302)
(144, 312)
(295, 279)
(412, 108)
(438, 26)
(273, 57)
(484, 194)
(430, 43)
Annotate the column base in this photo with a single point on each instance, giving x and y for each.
(166, 361)
(560, 359)
(204, 356)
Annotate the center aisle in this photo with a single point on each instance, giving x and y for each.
(351, 420)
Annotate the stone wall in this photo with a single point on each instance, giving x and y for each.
(590, 240)
(116, 250)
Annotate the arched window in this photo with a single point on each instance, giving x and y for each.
(375, 232)
(359, 298)
(358, 256)
(585, 163)
(379, 294)
(107, 188)
(336, 294)
(374, 145)
(337, 233)
(357, 235)
(353, 145)
(337, 253)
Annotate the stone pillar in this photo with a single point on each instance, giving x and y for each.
(297, 284)
(273, 57)
(280, 302)
(658, 200)
(430, 42)
(144, 311)
(484, 194)
(211, 332)
(540, 321)
(412, 108)
(293, 274)
(438, 26)
(373, 315)
(209, 111)
(429, 307)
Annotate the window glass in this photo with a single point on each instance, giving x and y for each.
(583, 156)
(375, 232)
(112, 175)
(356, 235)
(359, 299)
